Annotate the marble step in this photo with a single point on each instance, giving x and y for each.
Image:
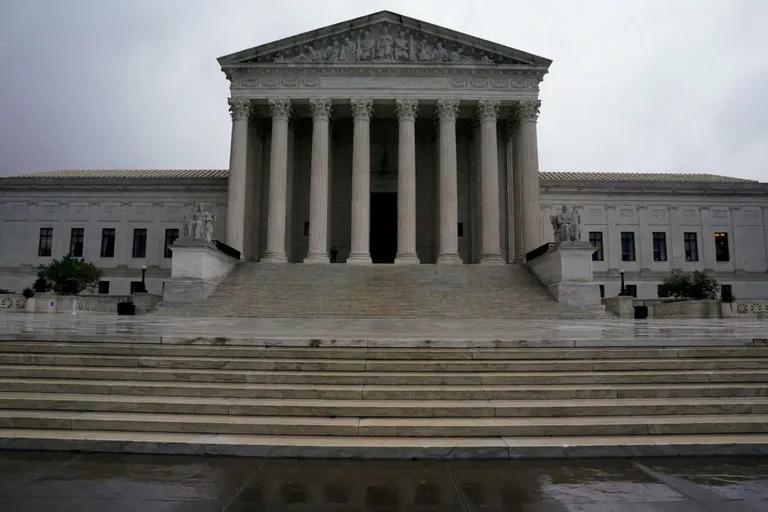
(549, 353)
(385, 447)
(388, 427)
(391, 392)
(382, 408)
(361, 365)
(397, 378)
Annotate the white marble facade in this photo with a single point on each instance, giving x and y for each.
(392, 140)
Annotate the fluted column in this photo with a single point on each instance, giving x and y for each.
(448, 252)
(406, 182)
(528, 166)
(236, 184)
(515, 203)
(490, 243)
(278, 179)
(318, 184)
(362, 109)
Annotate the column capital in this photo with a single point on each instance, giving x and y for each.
(280, 107)
(527, 110)
(406, 108)
(487, 110)
(239, 108)
(320, 107)
(447, 109)
(362, 108)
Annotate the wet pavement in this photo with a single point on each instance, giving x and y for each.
(52, 482)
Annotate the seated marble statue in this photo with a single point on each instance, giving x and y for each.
(199, 224)
(566, 225)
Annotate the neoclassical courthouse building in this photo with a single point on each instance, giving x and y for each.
(386, 139)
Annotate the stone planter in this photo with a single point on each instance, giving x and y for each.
(30, 304)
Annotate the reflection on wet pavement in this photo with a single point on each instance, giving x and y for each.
(36, 481)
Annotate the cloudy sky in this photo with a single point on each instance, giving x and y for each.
(635, 85)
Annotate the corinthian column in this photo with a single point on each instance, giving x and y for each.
(318, 184)
(406, 182)
(490, 243)
(362, 109)
(239, 109)
(278, 178)
(448, 201)
(528, 167)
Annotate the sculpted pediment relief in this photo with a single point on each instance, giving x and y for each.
(383, 43)
(384, 38)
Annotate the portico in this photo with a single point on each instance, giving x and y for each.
(442, 123)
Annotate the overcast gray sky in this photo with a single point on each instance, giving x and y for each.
(665, 85)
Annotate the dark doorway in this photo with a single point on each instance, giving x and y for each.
(383, 227)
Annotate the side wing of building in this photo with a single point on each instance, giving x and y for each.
(649, 225)
(119, 221)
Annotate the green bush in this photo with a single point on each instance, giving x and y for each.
(694, 286)
(28, 293)
(68, 276)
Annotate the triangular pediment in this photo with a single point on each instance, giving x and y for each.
(384, 38)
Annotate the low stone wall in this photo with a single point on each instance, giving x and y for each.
(12, 301)
(52, 303)
(683, 308)
(745, 308)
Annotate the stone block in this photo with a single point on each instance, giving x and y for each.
(566, 270)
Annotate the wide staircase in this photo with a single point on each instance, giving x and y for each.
(381, 291)
(384, 402)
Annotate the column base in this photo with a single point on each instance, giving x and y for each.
(449, 259)
(359, 259)
(407, 259)
(492, 259)
(317, 258)
(275, 257)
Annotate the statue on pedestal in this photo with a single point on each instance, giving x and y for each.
(566, 225)
(199, 224)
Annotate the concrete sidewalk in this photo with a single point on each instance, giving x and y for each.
(380, 332)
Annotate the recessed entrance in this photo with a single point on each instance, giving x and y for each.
(383, 227)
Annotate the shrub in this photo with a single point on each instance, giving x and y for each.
(694, 286)
(41, 285)
(69, 276)
(28, 293)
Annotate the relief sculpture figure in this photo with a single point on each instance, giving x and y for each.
(384, 48)
(365, 46)
(401, 47)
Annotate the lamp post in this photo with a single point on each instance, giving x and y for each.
(144, 275)
(623, 290)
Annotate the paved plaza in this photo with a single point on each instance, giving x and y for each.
(344, 331)
(57, 482)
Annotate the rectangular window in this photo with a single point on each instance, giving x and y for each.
(721, 247)
(726, 293)
(108, 242)
(627, 246)
(46, 242)
(659, 291)
(137, 287)
(104, 287)
(460, 229)
(76, 239)
(596, 239)
(632, 290)
(602, 291)
(659, 246)
(691, 246)
(170, 236)
(139, 243)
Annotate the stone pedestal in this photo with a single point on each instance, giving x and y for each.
(622, 306)
(566, 271)
(197, 268)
